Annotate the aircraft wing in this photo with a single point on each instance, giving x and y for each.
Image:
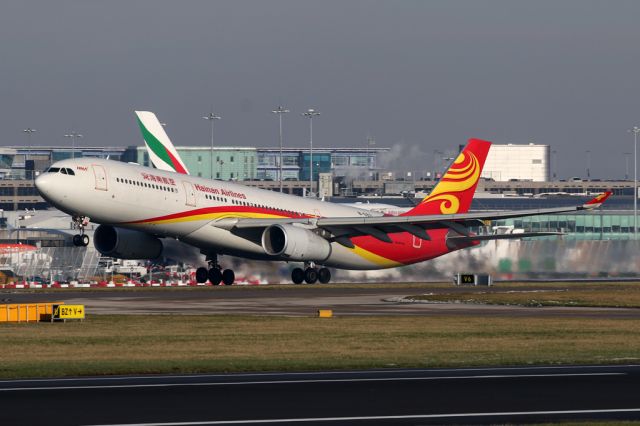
(343, 228)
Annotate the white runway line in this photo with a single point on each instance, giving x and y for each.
(372, 418)
(316, 373)
(302, 381)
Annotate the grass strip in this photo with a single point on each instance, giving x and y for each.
(600, 295)
(145, 344)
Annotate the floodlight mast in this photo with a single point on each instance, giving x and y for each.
(28, 132)
(310, 114)
(280, 110)
(73, 135)
(211, 117)
(635, 130)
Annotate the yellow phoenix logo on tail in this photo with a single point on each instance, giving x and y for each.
(461, 176)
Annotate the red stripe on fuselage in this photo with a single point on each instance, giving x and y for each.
(221, 209)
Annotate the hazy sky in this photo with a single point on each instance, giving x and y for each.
(408, 73)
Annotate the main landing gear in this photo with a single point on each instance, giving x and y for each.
(215, 274)
(81, 239)
(310, 274)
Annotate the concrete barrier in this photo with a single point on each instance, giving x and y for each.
(27, 312)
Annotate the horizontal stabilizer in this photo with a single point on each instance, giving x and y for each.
(597, 201)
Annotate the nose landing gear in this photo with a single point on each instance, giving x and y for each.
(81, 239)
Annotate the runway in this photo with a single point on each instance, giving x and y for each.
(438, 396)
(296, 301)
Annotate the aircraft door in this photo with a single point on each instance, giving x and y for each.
(417, 242)
(190, 194)
(101, 177)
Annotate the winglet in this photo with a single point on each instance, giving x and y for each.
(162, 153)
(597, 201)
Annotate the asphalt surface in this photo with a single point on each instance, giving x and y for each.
(295, 301)
(439, 396)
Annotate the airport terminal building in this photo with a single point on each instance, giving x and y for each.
(513, 162)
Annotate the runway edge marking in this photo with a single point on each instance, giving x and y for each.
(400, 417)
(315, 381)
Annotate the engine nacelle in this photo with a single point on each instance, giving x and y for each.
(295, 243)
(125, 243)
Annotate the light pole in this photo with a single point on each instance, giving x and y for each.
(635, 132)
(28, 131)
(280, 110)
(588, 152)
(211, 117)
(73, 135)
(554, 163)
(437, 154)
(310, 114)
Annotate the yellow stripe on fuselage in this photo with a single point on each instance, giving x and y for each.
(375, 258)
(213, 216)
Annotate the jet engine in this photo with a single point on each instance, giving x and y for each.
(124, 243)
(295, 243)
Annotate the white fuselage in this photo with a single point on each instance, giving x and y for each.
(180, 206)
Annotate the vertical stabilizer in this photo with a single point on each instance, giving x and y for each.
(454, 192)
(161, 151)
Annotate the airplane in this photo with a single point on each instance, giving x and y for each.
(138, 206)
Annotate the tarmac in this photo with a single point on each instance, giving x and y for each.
(291, 300)
(514, 395)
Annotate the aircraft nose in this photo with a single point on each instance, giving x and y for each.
(43, 184)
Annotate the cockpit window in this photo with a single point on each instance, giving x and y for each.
(64, 171)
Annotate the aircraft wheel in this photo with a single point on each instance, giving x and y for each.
(228, 277)
(215, 276)
(311, 275)
(297, 275)
(324, 275)
(77, 240)
(84, 239)
(202, 275)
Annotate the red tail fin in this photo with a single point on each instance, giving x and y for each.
(454, 192)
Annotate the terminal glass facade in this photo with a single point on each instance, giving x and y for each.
(228, 163)
(321, 164)
(589, 226)
(295, 162)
